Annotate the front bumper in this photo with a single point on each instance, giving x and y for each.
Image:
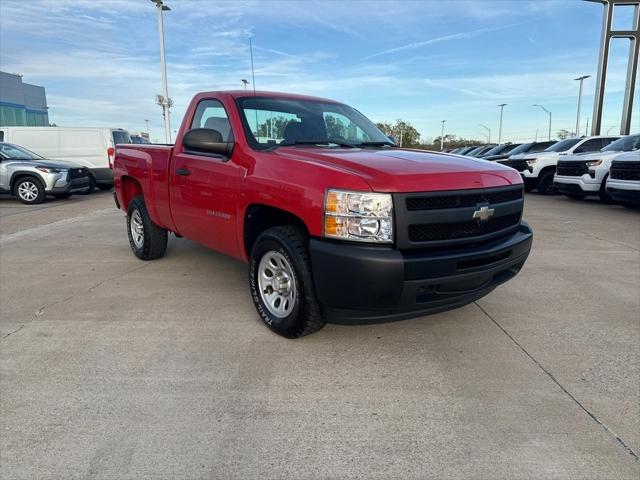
(585, 184)
(370, 284)
(625, 191)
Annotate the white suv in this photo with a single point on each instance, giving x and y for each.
(538, 169)
(581, 175)
(623, 183)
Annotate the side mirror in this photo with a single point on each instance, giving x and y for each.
(393, 139)
(207, 141)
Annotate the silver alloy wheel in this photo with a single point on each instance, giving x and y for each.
(28, 191)
(277, 284)
(137, 228)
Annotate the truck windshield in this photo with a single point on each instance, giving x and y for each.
(625, 144)
(8, 150)
(272, 122)
(563, 145)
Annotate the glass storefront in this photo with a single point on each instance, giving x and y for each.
(12, 116)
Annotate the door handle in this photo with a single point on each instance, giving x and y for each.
(183, 171)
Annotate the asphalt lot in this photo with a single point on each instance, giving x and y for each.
(115, 368)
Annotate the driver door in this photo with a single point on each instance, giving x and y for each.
(204, 188)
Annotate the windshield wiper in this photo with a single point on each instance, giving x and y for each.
(376, 144)
(317, 142)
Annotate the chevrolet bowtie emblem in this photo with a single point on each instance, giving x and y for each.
(483, 214)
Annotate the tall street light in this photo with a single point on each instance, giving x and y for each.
(581, 80)
(442, 136)
(502, 105)
(488, 130)
(165, 101)
(548, 113)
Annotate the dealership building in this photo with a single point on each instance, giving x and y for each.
(22, 104)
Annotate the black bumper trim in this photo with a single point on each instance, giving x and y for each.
(624, 196)
(369, 284)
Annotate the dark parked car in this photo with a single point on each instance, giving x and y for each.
(531, 147)
(479, 151)
(503, 148)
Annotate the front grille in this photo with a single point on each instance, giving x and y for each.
(625, 170)
(462, 200)
(572, 169)
(520, 165)
(451, 231)
(447, 219)
(77, 173)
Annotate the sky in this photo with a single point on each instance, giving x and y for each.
(422, 61)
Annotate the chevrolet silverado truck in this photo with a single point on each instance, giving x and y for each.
(336, 223)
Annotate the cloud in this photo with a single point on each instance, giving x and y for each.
(444, 38)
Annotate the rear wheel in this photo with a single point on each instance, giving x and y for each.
(91, 187)
(545, 183)
(281, 284)
(147, 240)
(29, 190)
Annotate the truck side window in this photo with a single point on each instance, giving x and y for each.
(211, 114)
(592, 145)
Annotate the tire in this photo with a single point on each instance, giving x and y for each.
(105, 187)
(528, 187)
(147, 240)
(283, 252)
(604, 196)
(91, 188)
(576, 196)
(29, 190)
(545, 183)
(62, 196)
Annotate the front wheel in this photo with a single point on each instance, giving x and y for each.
(281, 284)
(545, 183)
(147, 240)
(604, 196)
(30, 190)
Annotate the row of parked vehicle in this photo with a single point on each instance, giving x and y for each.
(604, 166)
(36, 162)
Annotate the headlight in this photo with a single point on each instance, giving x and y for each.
(594, 163)
(359, 216)
(532, 161)
(51, 170)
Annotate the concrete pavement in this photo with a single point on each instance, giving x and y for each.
(115, 368)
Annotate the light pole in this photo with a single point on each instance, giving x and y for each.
(488, 130)
(166, 102)
(147, 122)
(581, 80)
(502, 105)
(245, 83)
(548, 113)
(442, 136)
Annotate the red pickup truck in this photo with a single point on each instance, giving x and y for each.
(336, 223)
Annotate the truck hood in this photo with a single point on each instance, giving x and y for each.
(395, 170)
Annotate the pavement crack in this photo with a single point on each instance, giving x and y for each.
(40, 312)
(562, 387)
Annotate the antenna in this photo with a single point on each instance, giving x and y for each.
(253, 80)
(253, 74)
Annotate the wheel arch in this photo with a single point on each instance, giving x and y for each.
(16, 176)
(130, 188)
(259, 217)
